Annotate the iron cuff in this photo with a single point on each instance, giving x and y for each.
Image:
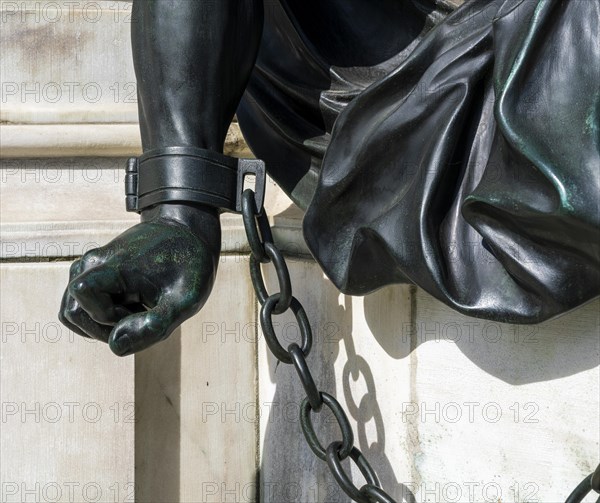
(192, 175)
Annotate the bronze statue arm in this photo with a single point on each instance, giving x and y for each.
(192, 61)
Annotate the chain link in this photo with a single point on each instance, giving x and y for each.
(376, 494)
(334, 461)
(313, 395)
(266, 314)
(263, 251)
(283, 275)
(342, 420)
(257, 226)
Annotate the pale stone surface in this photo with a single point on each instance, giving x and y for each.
(67, 61)
(197, 430)
(67, 426)
(503, 412)
(63, 207)
(469, 410)
(89, 140)
(68, 86)
(369, 379)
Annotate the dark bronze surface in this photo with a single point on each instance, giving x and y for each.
(133, 292)
(466, 160)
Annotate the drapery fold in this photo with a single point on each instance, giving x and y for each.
(468, 163)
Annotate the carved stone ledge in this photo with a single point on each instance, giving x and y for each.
(88, 140)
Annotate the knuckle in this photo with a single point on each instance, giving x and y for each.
(62, 318)
(75, 267)
(103, 317)
(71, 313)
(78, 287)
(154, 324)
(93, 257)
(97, 316)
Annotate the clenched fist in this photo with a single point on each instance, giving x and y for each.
(136, 290)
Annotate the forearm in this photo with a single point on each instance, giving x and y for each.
(192, 61)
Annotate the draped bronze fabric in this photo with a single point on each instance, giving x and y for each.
(459, 151)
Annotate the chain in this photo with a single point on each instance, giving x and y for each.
(263, 251)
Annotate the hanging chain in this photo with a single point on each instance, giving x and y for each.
(263, 251)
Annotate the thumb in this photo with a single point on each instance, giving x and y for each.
(141, 330)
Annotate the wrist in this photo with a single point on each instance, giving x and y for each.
(202, 220)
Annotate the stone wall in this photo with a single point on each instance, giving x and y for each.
(446, 408)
